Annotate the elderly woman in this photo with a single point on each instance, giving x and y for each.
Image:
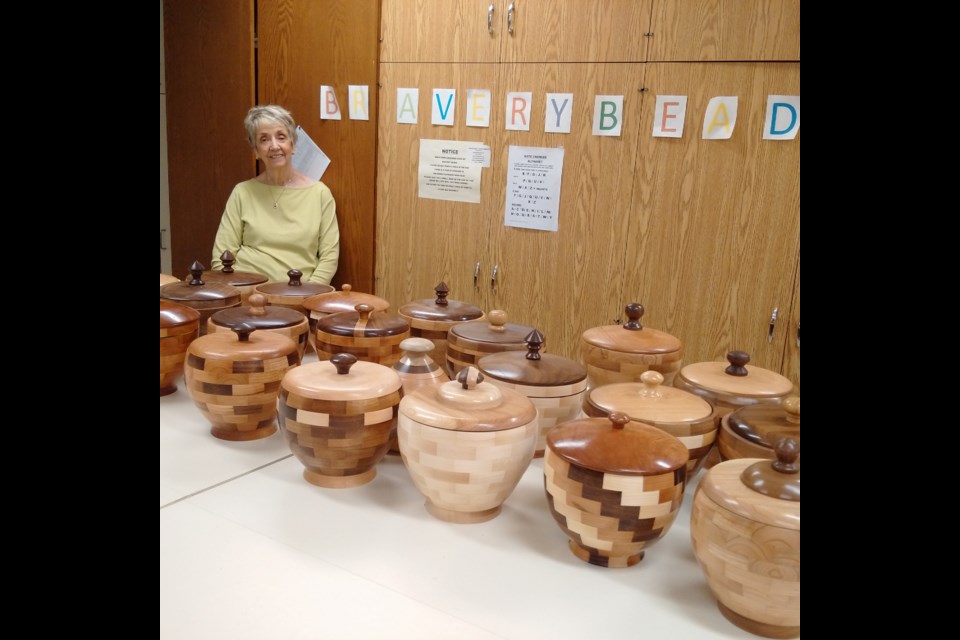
(280, 220)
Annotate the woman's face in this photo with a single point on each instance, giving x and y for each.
(274, 146)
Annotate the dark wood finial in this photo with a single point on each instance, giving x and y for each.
(196, 270)
(441, 290)
(634, 313)
(534, 342)
(738, 363)
(243, 331)
(295, 275)
(343, 362)
(227, 259)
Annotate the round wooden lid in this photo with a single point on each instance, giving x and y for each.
(363, 323)
(293, 286)
(258, 314)
(616, 445)
(496, 331)
(174, 314)
(530, 367)
(342, 377)
(197, 289)
(440, 309)
(737, 378)
(765, 424)
(649, 400)
(167, 279)
(227, 275)
(344, 300)
(245, 343)
(631, 336)
(765, 491)
(468, 404)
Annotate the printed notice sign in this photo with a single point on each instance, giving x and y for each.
(449, 171)
(533, 188)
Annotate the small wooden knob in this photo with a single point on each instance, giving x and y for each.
(441, 290)
(343, 362)
(258, 304)
(792, 407)
(738, 363)
(227, 259)
(346, 288)
(787, 450)
(364, 311)
(779, 478)
(498, 318)
(417, 345)
(294, 275)
(470, 377)
(619, 419)
(534, 342)
(243, 331)
(634, 313)
(651, 384)
(196, 270)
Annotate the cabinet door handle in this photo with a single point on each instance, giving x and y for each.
(163, 247)
(493, 276)
(490, 19)
(798, 334)
(476, 270)
(773, 322)
(510, 18)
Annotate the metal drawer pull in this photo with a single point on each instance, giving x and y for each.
(510, 19)
(773, 322)
(490, 19)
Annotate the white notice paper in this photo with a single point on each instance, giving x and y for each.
(449, 170)
(309, 159)
(533, 188)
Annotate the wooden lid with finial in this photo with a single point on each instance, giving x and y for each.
(293, 287)
(532, 368)
(227, 275)
(649, 400)
(259, 314)
(198, 290)
(632, 336)
(440, 309)
(735, 377)
(344, 300)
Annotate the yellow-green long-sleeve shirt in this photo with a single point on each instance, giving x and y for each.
(301, 233)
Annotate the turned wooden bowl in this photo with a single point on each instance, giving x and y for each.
(293, 292)
(369, 335)
(205, 297)
(682, 414)
(432, 318)
(167, 279)
(466, 444)
(613, 486)
(752, 431)
(733, 384)
(262, 317)
(245, 281)
(416, 369)
(745, 529)
(179, 326)
(322, 305)
(337, 416)
(621, 353)
(554, 384)
(467, 342)
(234, 378)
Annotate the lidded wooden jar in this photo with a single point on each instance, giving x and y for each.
(752, 431)
(179, 326)
(620, 353)
(286, 322)
(553, 383)
(729, 387)
(614, 486)
(205, 297)
(466, 444)
(372, 337)
(337, 416)
(745, 528)
(234, 379)
(467, 342)
(323, 304)
(167, 279)
(416, 369)
(432, 319)
(243, 280)
(682, 414)
(292, 293)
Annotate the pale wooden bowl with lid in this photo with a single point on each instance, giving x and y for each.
(467, 342)
(745, 529)
(416, 369)
(262, 317)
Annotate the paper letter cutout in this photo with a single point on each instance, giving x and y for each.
(782, 120)
(669, 116)
(359, 101)
(407, 100)
(720, 118)
(478, 107)
(329, 107)
(443, 106)
(518, 110)
(558, 113)
(607, 115)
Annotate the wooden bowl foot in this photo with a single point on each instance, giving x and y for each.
(757, 628)
(243, 436)
(339, 482)
(165, 391)
(462, 517)
(616, 562)
(538, 453)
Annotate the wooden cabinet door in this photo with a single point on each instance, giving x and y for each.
(701, 30)
(440, 30)
(422, 242)
(791, 356)
(210, 85)
(714, 235)
(567, 281)
(304, 44)
(578, 31)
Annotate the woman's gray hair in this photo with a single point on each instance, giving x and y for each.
(268, 114)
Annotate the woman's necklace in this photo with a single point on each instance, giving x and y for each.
(276, 201)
